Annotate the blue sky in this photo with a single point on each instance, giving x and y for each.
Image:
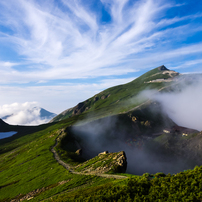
(61, 52)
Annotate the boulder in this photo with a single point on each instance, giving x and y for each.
(121, 162)
(104, 152)
(79, 152)
(105, 162)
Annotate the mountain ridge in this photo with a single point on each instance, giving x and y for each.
(152, 142)
(35, 112)
(115, 96)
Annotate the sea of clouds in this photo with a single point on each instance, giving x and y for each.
(183, 104)
(27, 113)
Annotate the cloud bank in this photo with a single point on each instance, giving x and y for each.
(47, 44)
(183, 103)
(184, 107)
(111, 134)
(27, 113)
(70, 39)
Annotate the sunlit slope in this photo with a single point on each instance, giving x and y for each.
(29, 169)
(120, 98)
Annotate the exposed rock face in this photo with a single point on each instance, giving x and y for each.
(79, 152)
(105, 96)
(104, 152)
(162, 68)
(105, 162)
(121, 162)
(181, 130)
(79, 108)
(95, 98)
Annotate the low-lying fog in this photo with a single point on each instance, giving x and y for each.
(103, 136)
(183, 105)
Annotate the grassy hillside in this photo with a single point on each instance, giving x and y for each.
(118, 99)
(30, 172)
(29, 169)
(31, 166)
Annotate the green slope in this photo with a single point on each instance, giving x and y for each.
(117, 99)
(31, 166)
(29, 171)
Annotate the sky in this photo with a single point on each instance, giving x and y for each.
(57, 53)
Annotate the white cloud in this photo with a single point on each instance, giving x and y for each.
(27, 113)
(75, 45)
(57, 98)
(67, 40)
(182, 106)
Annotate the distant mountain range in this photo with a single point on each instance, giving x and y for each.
(36, 116)
(44, 114)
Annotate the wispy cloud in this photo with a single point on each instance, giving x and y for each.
(53, 41)
(67, 40)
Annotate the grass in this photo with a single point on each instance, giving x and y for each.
(115, 100)
(184, 186)
(96, 162)
(31, 166)
(27, 164)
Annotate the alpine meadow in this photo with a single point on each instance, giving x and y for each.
(100, 100)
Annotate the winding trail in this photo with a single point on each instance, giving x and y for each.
(68, 167)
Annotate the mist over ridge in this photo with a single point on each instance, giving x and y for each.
(101, 100)
(151, 132)
(182, 102)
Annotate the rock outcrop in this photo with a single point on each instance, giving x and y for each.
(79, 152)
(121, 162)
(162, 68)
(104, 163)
(104, 152)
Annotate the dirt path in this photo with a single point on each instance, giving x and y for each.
(68, 167)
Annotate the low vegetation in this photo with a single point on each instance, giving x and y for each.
(184, 186)
(29, 171)
(117, 99)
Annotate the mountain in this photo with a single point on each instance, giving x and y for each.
(120, 116)
(44, 114)
(118, 99)
(29, 116)
(83, 156)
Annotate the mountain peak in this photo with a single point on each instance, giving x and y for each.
(117, 96)
(162, 68)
